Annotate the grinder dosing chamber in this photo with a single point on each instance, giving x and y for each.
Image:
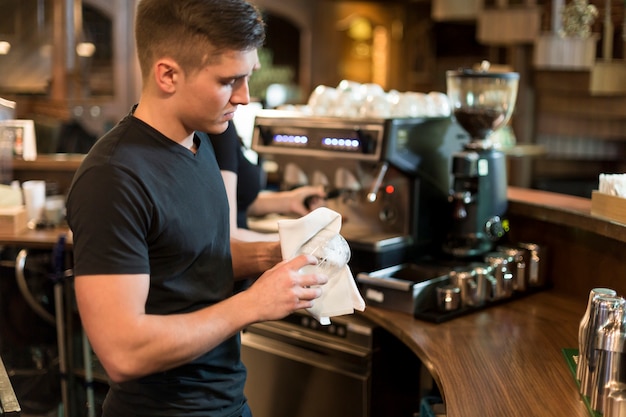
(482, 102)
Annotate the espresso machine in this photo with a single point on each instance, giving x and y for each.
(481, 102)
(388, 178)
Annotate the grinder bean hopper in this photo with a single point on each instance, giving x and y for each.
(482, 102)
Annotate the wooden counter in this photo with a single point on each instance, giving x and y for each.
(562, 210)
(505, 360)
(584, 251)
(37, 239)
(57, 162)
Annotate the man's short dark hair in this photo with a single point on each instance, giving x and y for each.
(193, 31)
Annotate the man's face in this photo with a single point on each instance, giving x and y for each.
(210, 96)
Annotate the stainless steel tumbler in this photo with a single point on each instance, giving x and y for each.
(501, 265)
(518, 267)
(616, 401)
(583, 331)
(535, 263)
(448, 297)
(485, 278)
(611, 366)
(600, 307)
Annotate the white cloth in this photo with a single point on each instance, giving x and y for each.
(340, 294)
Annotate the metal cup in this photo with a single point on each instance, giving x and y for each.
(610, 365)
(501, 264)
(610, 343)
(486, 280)
(606, 314)
(583, 332)
(616, 401)
(448, 297)
(535, 260)
(464, 279)
(518, 267)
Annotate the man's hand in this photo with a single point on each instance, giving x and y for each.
(282, 289)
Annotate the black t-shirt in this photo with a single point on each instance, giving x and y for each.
(250, 178)
(143, 204)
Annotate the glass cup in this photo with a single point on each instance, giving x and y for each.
(34, 192)
(331, 250)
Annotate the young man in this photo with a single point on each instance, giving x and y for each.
(152, 261)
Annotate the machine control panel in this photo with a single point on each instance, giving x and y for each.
(357, 141)
(320, 136)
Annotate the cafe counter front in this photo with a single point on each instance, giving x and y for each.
(505, 360)
(508, 359)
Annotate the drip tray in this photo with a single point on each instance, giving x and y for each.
(409, 288)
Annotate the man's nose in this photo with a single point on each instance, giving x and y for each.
(241, 95)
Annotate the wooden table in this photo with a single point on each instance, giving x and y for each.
(37, 239)
(503, 361)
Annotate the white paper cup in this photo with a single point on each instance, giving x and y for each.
(34, 199)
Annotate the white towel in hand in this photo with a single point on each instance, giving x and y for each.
(340, 295)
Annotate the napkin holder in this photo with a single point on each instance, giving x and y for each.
(608, 206)
(12, 220)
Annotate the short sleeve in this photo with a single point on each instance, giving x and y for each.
(109, 215)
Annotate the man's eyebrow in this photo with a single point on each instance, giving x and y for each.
(235, 76)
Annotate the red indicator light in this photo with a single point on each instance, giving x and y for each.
(390, 189)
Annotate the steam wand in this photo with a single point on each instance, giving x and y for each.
(372, 195)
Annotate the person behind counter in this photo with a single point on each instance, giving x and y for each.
(244, 186)
(153, 266)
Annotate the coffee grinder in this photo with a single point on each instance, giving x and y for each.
(482, 102)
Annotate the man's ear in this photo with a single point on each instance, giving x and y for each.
(166, 74)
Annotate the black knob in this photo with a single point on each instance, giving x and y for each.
(494, 228)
